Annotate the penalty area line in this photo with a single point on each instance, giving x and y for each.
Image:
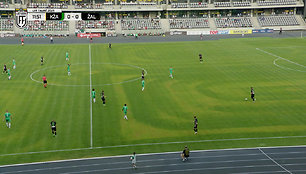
(151, 144)
(279, 57)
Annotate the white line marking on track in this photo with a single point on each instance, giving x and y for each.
(274, 161)
(148, 154)
(162, 159)
(164, 143)
(90, 96)
(278, 57)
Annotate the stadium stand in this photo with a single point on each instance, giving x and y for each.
(48, 5)
(276, 2)
(241, 3)
(47, 26)
(128, 3)
(289, 20)
(83, 6)
(98, 24)
(6, 24)
(104, 5)
(4, 5)
(140, 24)
(233, 22)
(198, 5)
(189, 23)
(222, 4)
(179, 5)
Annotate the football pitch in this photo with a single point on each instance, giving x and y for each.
(160, 118)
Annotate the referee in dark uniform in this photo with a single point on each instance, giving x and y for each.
(195, 127)
(252, 94)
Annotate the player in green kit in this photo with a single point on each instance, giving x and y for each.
(133, 159)
(14, 64)
(124, 109)
(8, 117)
(67, 56)
(93, 95)
(171, 71)
(68, 69)
(143, 84)
(9, 74)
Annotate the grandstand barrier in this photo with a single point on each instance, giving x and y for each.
(263, 31)
(224, 32)
(8, 35)
(241, 31)
(85, 35)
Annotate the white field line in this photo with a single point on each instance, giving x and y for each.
(279, 57)
(90, 96)
(164, 143)
(274, 161)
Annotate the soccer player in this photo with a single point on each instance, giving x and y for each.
(142, 75)
(93, 95)
(133, 159)
(124, 109)
(195, 127)
(103, 98)
(171, 72)
(9, 74)
(67, 56)
(4, 69)
(51, 39)
(201, 58)
(7, 117)
(185, 154)
(45, 81)
(109, 45)
(22, 41)
(68, 69)
(143, 84)
(14, 64)
(252, 94)
(41, 60)
(53, 127)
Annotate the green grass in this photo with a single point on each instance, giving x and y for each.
(214, 91)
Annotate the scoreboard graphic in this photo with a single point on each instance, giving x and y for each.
(24, 15)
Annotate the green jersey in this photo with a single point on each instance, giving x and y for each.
(9, 72)
(7, 116)
(133, 158)
(68, 68)
(171, 69)
(14, 62)
(93, 94)
(143, 83)
(67, 54)
(125, 108)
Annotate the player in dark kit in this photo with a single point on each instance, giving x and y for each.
(103, 98)
(4, 69)
(201, 58)
(195, 127)
(109, 45)
(142, 75)
(252, 94)
(53, 127)
(41, 60)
